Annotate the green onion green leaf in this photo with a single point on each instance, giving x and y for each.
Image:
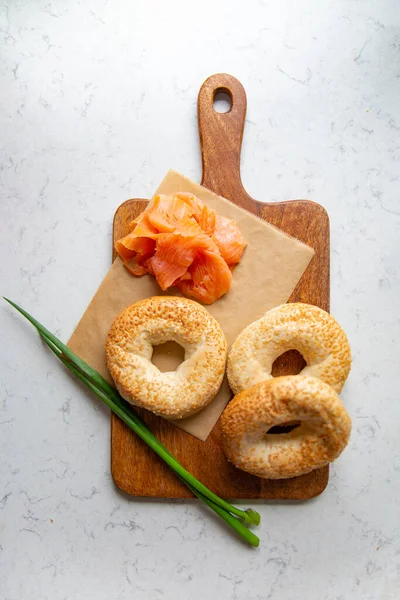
(233, 516)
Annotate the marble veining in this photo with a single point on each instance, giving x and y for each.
(98, 101)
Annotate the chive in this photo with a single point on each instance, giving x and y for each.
(115, 402)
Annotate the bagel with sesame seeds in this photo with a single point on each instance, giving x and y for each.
(322, 431)
(295, 326)
(150, 322)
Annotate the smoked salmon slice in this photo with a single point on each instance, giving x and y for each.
(229, 240)
(210, 278)
(184, 243)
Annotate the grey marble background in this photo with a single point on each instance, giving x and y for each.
(98, 100)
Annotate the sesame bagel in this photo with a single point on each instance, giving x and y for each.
(320, 437)
(297, 326)
(129, 348)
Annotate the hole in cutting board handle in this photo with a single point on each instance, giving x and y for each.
(222, 101)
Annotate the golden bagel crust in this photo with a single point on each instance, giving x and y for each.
(296, 326)
(322, 435)
(129, 348)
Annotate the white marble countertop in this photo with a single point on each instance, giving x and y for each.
(98, 101)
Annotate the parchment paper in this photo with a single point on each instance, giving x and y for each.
(271, 266)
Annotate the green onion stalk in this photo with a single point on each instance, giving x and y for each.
(236, 518)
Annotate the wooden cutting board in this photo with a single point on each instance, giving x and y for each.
(135, 468)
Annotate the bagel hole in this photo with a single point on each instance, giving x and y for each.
(168, 356)
(283, 428)
(288, 363)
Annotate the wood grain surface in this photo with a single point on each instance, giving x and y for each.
(135, 468)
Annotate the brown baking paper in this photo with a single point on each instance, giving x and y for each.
(272, 264)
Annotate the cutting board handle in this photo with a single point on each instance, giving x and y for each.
(221, 137)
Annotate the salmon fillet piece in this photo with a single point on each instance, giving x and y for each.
(229, 240)
(210, 278)
(185, 243)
